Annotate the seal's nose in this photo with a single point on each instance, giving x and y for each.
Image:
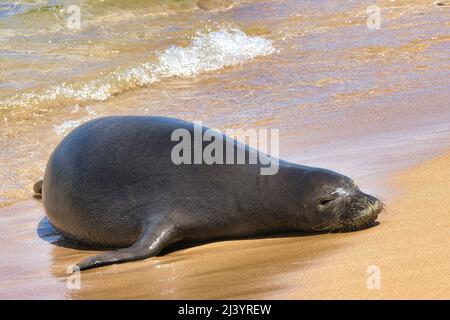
(364, 212)
(376, 205)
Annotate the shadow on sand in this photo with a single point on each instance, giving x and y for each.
(47, 232)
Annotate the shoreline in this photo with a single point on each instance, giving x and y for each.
(369, 103)
(411, 256)
(330, 84)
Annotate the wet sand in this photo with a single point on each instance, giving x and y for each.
(410, 247)
(366, 103)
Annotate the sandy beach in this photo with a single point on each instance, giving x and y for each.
(370, 103)
(410, 247)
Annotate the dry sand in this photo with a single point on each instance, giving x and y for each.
(410, 247)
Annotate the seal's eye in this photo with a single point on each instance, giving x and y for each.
(326, 200)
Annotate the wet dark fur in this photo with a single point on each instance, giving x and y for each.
(111, 183)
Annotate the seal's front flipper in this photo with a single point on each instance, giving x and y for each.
(151, 241)
(37, 188)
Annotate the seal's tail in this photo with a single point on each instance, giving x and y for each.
(37, 188)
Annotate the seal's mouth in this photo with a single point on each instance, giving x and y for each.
(362, 213)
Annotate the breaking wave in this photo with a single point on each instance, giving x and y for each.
(208, 51)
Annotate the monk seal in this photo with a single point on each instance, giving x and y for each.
(112, 183)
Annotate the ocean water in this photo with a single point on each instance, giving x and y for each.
(343, 94)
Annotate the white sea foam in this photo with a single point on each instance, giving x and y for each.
(212, 51)
(65, 127)
(207, 52)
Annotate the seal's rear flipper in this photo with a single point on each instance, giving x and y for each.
(152, 240)
(37, 188)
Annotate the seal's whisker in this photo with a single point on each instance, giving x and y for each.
(384, 207)
(330, 227)
(334, 227)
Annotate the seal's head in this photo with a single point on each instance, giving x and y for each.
(334, 202)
